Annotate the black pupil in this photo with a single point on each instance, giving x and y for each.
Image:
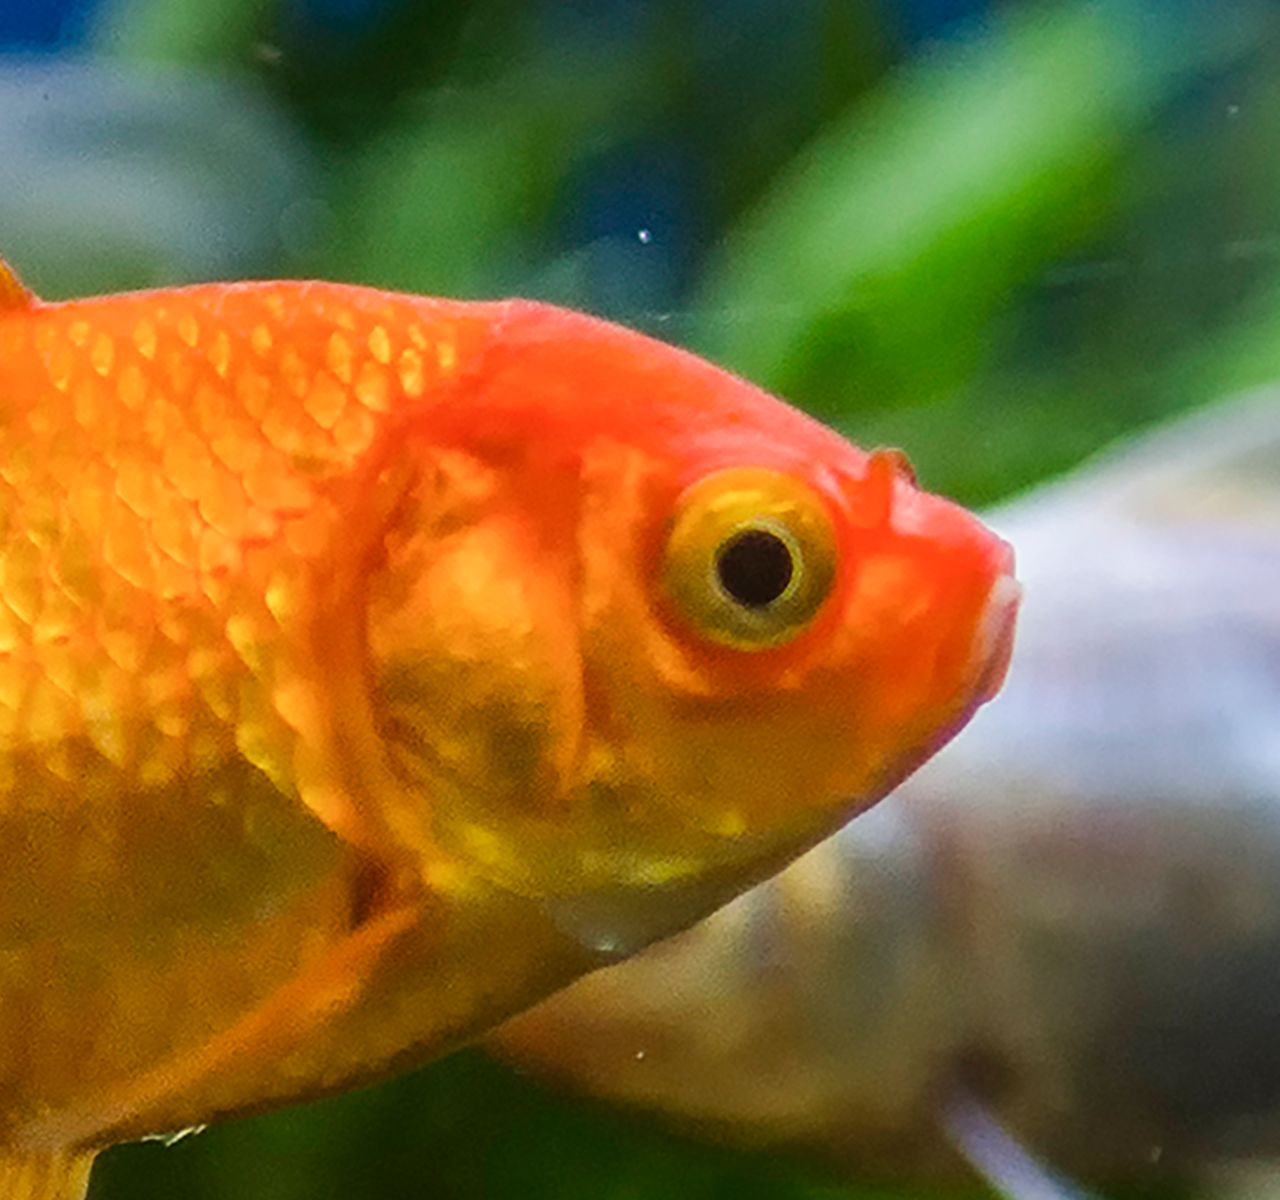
(754, 567)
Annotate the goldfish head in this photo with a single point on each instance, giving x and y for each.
(636, 625)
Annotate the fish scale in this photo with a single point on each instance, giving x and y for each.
(222, 457)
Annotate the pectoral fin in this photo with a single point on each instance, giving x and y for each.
(204, 1078)
(37, 1176)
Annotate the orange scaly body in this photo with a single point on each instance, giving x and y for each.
(372, 665)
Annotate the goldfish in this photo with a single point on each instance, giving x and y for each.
(1056, 944)
(372, 665)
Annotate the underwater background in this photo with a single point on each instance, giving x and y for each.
(997, 235)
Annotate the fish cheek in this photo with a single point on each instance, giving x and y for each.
(670, 766)
(706, 750)
(476, 688)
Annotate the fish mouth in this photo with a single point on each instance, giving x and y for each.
(994, 635)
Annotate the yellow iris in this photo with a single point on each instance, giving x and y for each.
(751, 557)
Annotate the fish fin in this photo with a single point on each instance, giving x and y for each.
(58, 1175)
(278, 1026)
(13, 292)
(1003, 1162)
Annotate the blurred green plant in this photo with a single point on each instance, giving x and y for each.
(457, 197)
(890, 276)
(881, 257)
(886, 263)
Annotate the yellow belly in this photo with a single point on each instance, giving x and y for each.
(134, 929)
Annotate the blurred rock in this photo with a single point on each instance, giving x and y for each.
(116, 179)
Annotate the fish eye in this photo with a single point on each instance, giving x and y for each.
(755, 566)
(750, 558)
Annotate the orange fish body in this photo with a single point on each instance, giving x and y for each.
(372, 665)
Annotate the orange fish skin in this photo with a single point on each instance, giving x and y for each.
(344, 708)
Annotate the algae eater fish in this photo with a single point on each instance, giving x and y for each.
(373, 665)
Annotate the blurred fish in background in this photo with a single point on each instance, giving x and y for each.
(998, 235)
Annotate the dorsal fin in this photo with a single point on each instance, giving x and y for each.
(12, 292)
